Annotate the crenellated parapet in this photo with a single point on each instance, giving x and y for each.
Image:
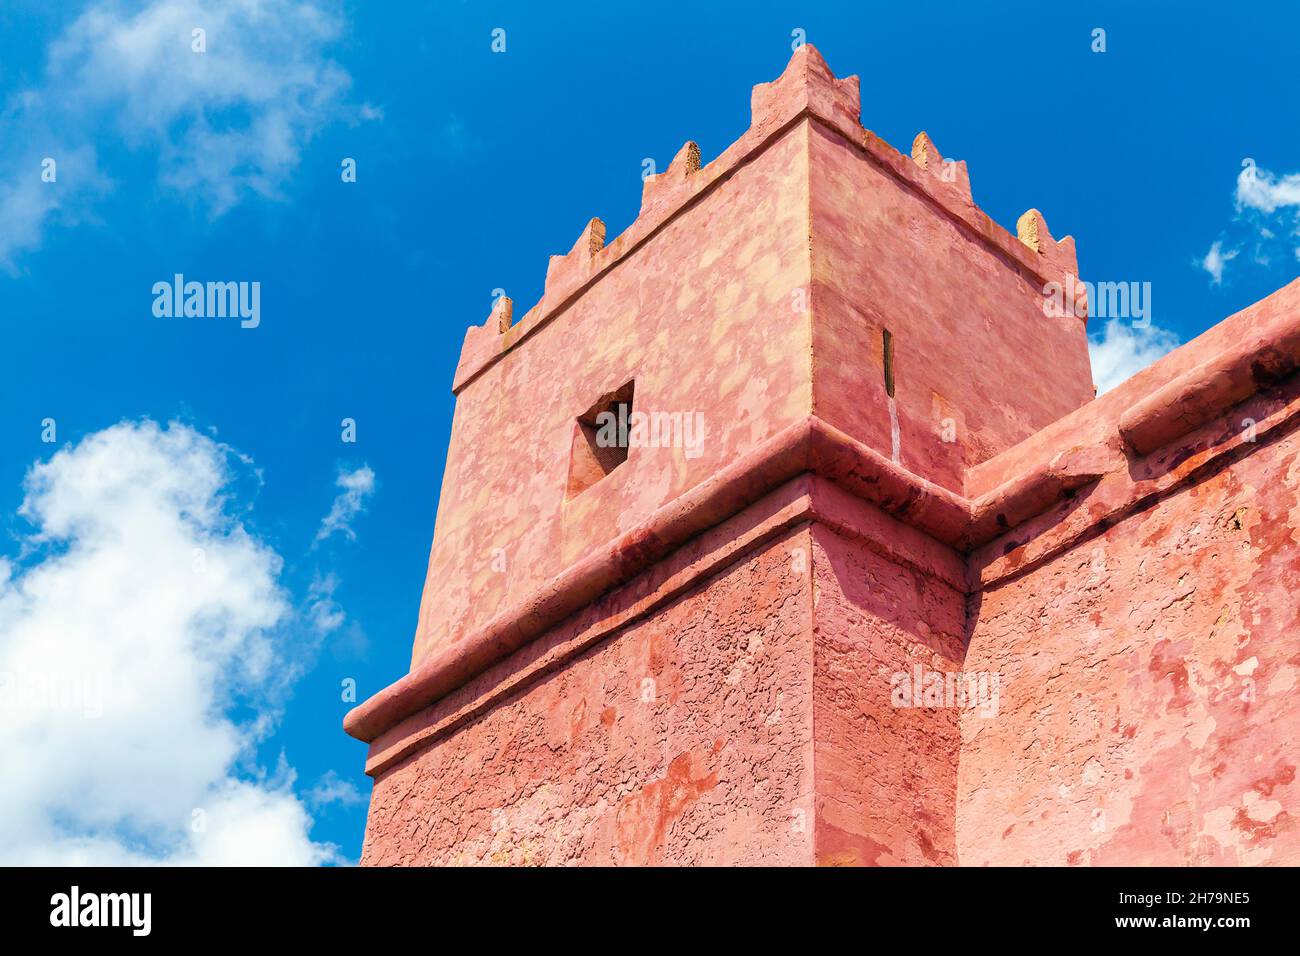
(806, 90)
(669, 189)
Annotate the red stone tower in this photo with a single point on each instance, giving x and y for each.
(871, 578)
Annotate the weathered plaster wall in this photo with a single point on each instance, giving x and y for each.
(886, 776)
(716, 768)
(971, 340)
(1126, 567)
(701, 317)
(1148, 697)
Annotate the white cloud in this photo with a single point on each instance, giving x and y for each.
(331, 788)
(139, 616)
(1123, 350)
(1267, 223)
(224, 123)
(1262, 190)
(323, 611)
(1215, 260)
(357, 486)
(327, 618)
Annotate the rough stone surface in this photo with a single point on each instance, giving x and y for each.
(684, 739)
(1148, 711)
(700, 658)
(715, 284)
(886, 775)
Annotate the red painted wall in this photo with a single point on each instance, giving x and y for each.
(1120, 572)
(1149, 678)
(700, 317)
(886, 775)
(711, 765)
(971, 341)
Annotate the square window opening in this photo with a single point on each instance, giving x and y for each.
(600, 439)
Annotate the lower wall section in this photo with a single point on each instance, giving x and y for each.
(1127, 702)
(886, 773)
(685, 738)
(1148, 687)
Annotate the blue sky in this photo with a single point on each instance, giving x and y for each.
(472, 168)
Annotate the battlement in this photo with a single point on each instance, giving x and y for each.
(755, 293)
(654, 653)
(807, 90)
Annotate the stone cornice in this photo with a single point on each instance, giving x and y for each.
(1087, 476)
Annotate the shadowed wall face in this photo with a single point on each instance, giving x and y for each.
(886, 774)
(977, 364)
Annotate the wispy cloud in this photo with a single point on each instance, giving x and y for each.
(1122, 350)
(357, 487)
(324, 613)
(1216, 259)
(331, 789)
(1266, 225)
(224, 123)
